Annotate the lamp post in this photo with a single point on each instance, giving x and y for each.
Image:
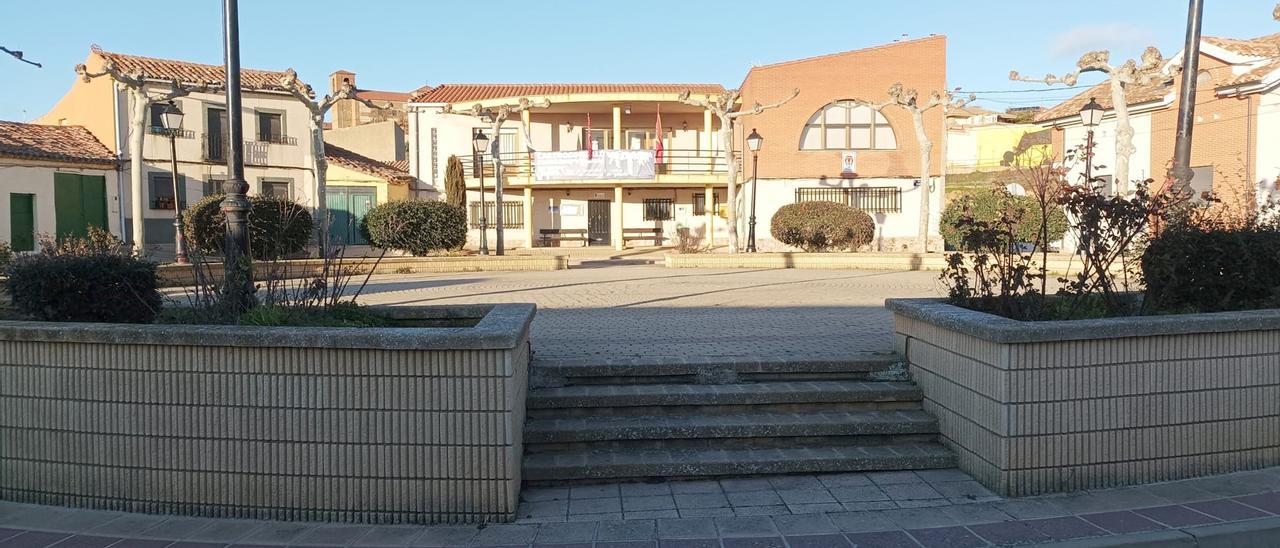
(237, 262)
(1090, 116)
(478, 143)
(171, 117)
(753, 142)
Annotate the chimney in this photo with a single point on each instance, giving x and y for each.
(339, 78)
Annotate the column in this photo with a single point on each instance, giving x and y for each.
(706, 141)
(617, 129)
(528, 132)
(528, 216)
(618, 243)
(709, 201)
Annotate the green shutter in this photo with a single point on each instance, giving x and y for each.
(22, 222)
(68, 206)
(93, 194)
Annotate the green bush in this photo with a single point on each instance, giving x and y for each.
(416, 227)
(1194, 270)
(277, 227)
(822, 226)
(986, 206)
(92, 287)
(6, 255)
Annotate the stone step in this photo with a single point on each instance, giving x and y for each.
(703, 370)
(595, 397)
(735, 426)
(595, 465)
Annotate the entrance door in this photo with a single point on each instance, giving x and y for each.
(347, 207)
(599, 222)
(22, 222)
(79, 201)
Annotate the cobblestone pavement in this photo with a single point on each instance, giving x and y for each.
(649, 311)
(831, 511)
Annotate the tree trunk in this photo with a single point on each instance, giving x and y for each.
(1124, 138)
(137, 131)
(731, 164)
(926, 151)
(321, 171)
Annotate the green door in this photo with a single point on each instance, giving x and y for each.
(79, 201)
(347, 208)
(360, 202)
(22, 222)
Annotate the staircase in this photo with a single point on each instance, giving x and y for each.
(680, 420)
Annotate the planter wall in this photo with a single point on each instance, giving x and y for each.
(177, 275)
(1058, 264)
(369, 425)
(1040, 407)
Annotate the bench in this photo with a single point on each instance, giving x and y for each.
(548, 235)
(654, 234)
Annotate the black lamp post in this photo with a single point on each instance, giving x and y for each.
(753, 142)
(171, 117)
(478, 143)
(1090, 116)
(237, 262)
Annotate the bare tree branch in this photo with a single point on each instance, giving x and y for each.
(18, 55)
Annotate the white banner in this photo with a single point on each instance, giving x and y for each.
(604, 164)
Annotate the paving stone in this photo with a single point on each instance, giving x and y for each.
(1122, 522)
(1177, 516)
(174, 528)
(33, 539)
(966, 514)
(777, 510)
(83, 541)
(645, 489)
(823, 507)
(127, 526)
(910, 491)
(1031, 509)
(753, 498)
(543, 509)
(920, 518)
(608, 516)
(943, 475)
(795, 482)
(745, 527)
(594, 506)
(868, 493)
(686, 528)
(1065, 528)
(929, 503)
(1178, 492)
(819, 541)
(893, 478)
(339, 535)
(1226, 510)
(805, 496)
(195, 544)
(883, 539)
(1008, 532)
(694, 487)
(541, 494)
(757, 542)
(706, 512)
(804, 525)
(971, 490)
(275, 532)
(1269, 502)
(1106, 501)
(651, 514)
(638, 529)
(506, 534)
(142, 543)
(76, 520)
(563, 533)
(745, 484)
(654, 502)
(595, 491)
(627, 544)
(861, 522)
(689, 543)
(701, 500)
(946, 537)
(869, 506)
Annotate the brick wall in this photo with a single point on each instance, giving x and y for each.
(861, 74)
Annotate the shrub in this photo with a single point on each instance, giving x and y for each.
(416, 227)
(85, 287)
(6, 256)
(822, 226)
(989, 206)
(1190, 269)
(277, 227)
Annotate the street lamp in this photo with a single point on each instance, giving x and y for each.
(1090, 116)
(479, 142)
(753, 142)
(171, 118)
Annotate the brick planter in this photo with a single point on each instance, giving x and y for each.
(1040, 407)
(380, 425)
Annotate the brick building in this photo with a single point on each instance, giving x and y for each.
(1236, 147)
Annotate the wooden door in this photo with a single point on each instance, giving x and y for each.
(599, 222)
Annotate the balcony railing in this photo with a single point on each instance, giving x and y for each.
(674, 162)
(179, 133)
(278, 140)
(214, 147)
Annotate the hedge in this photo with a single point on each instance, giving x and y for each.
(822, 226)
(415, 226)
(277, 227)
(987, 206)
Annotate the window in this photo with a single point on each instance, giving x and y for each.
(506, 140)
(512, 214)
(215, 137)
(845, 125)
(700, 203)
(156, 125)
(271, 127)
(600, 139)
(276, 188)
(162, 190)
(1201, 183)
(212, 185)
(657, 209)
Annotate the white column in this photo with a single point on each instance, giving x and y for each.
(618, 243)
(528, 216)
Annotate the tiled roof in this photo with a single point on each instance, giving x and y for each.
(364, 164)
(1102, 93)
(53, 143)
(1263, 46)
(402, 165)
(454, 93)
(1255, 75)
(192, 73)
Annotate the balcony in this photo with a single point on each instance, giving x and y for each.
(676, 166)
(256, 153)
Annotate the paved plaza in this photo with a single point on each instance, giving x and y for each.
(649, 311)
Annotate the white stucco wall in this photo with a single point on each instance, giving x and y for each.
(1267, 163)
(1104, 149)
(38, 180)
(893, 229)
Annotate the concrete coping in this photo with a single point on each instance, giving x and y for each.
(502, 326)
(999, 329)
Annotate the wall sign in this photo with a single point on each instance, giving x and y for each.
(848, 162)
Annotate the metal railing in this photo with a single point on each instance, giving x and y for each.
(674, 162)
(214, 149)
(878, 199)
(179, 133)
(512, 214)
(278, 140)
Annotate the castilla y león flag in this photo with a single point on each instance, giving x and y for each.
(657, 134)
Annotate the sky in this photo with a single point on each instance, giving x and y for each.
(400, 45)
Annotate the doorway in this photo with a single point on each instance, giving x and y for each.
(347, 207)
(599, 222)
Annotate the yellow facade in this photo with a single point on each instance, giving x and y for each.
(337, 175)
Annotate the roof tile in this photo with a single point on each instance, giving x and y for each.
(192, 73)
(53, 143)
(454, 93)
(364, 164)
(1135, 95)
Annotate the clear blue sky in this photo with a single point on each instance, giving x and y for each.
(403, 44)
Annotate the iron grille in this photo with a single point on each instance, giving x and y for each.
(512, 214)
(879, 199)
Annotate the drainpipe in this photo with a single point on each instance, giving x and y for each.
(115, 113)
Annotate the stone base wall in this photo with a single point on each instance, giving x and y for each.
(376, 425)
(1058, 264)
(1044, 407)
(176, 275)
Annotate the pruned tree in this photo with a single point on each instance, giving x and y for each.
(725, 108)
(496, 116)
(140, 99)
(318, 109)
(909, 100)
(1150, 69)
(455, 184)
(17, 54)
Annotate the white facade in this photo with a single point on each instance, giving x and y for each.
(36, 178)
(895, 230)
(1267, 163)
(1104, 148)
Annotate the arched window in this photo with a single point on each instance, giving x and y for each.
(845, 125)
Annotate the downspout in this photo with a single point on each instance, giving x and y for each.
(1250, 128)
(115, 112)
(416, 161)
